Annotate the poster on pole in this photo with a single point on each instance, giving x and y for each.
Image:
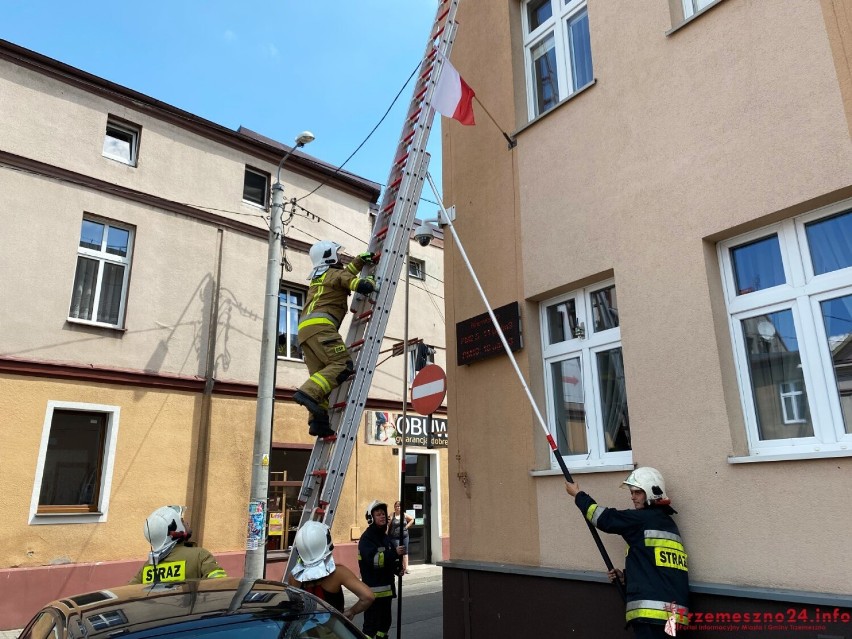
(256, 525)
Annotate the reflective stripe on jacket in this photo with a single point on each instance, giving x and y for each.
(182, 563)
(328, 295)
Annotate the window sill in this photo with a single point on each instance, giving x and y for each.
(608, 468)
(693, 17)
(255, 205)
(53, 519)
(839, 451)
(120, 160)
(90, 324)
(538, 118)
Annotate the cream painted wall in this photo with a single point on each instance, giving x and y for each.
(728, 123)
(152, 464)
(167, 316)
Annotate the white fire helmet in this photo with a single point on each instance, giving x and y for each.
(323, 254)
(375, 505)
(651, 481)
(313, 543)
(164, 527)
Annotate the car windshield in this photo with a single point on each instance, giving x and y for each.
(318, 625)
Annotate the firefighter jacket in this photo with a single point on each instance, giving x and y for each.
(378, 561)
(182, 563)
(328, 296)
(655, 567)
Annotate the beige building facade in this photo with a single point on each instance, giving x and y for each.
(676, 225)
(134, 249)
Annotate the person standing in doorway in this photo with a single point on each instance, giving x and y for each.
(394, 530)
(655, 573)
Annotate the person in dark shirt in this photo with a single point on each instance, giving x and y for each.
(656, 575)
(379, 561)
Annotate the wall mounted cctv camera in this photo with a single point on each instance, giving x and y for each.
(424, 234)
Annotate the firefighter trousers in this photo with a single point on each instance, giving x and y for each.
(327, 359)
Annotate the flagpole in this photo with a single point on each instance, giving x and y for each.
(512, 141)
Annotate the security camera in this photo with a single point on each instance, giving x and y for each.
(424, 234)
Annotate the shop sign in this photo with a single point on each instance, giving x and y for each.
(387, 429)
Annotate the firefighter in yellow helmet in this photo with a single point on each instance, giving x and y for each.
(328, 361)
(173, 557)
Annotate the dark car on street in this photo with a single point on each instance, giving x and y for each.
(205, 609)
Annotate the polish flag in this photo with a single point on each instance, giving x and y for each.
(453, 98)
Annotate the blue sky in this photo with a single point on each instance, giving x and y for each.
(275, 66)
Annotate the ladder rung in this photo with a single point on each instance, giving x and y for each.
(407, 139)
(402, 160)
(320, 473)
(339, 405)
(356, 344)
(438, 33)
(415, 115)
(442, 16)
(319, 511)
(426, 73)
(395, 184)
(380, 234)
(418, 96)
(364, 315)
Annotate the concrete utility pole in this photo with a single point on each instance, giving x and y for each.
(255, 566)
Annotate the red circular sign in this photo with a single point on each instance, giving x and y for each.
(429, 389)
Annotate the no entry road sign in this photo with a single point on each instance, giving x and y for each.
(428, 389)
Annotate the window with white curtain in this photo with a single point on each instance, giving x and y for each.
(584, 369)
(291, 301)
(788, 290)
(103, 267)
(557, 50)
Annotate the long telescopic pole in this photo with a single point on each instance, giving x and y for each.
(445, 218)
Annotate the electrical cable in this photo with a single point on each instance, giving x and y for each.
(369, 135)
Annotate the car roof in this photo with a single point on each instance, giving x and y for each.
(140, 607)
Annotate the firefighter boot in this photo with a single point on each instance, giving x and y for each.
(303, 399)
(319, 427)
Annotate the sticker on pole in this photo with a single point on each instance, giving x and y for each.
(429, 389)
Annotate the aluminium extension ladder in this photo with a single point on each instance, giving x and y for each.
(391, 234)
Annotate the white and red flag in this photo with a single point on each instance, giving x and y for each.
(453, 97)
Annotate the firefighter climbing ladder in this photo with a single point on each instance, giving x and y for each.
(329, 460)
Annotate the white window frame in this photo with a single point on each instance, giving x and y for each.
(129, 129)
(266, 179)
(282, 308)
(416, 269)
(563, 10)
(586, 348)
(107, 464)
(801, 293)
(691, 7)
(103, 257)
